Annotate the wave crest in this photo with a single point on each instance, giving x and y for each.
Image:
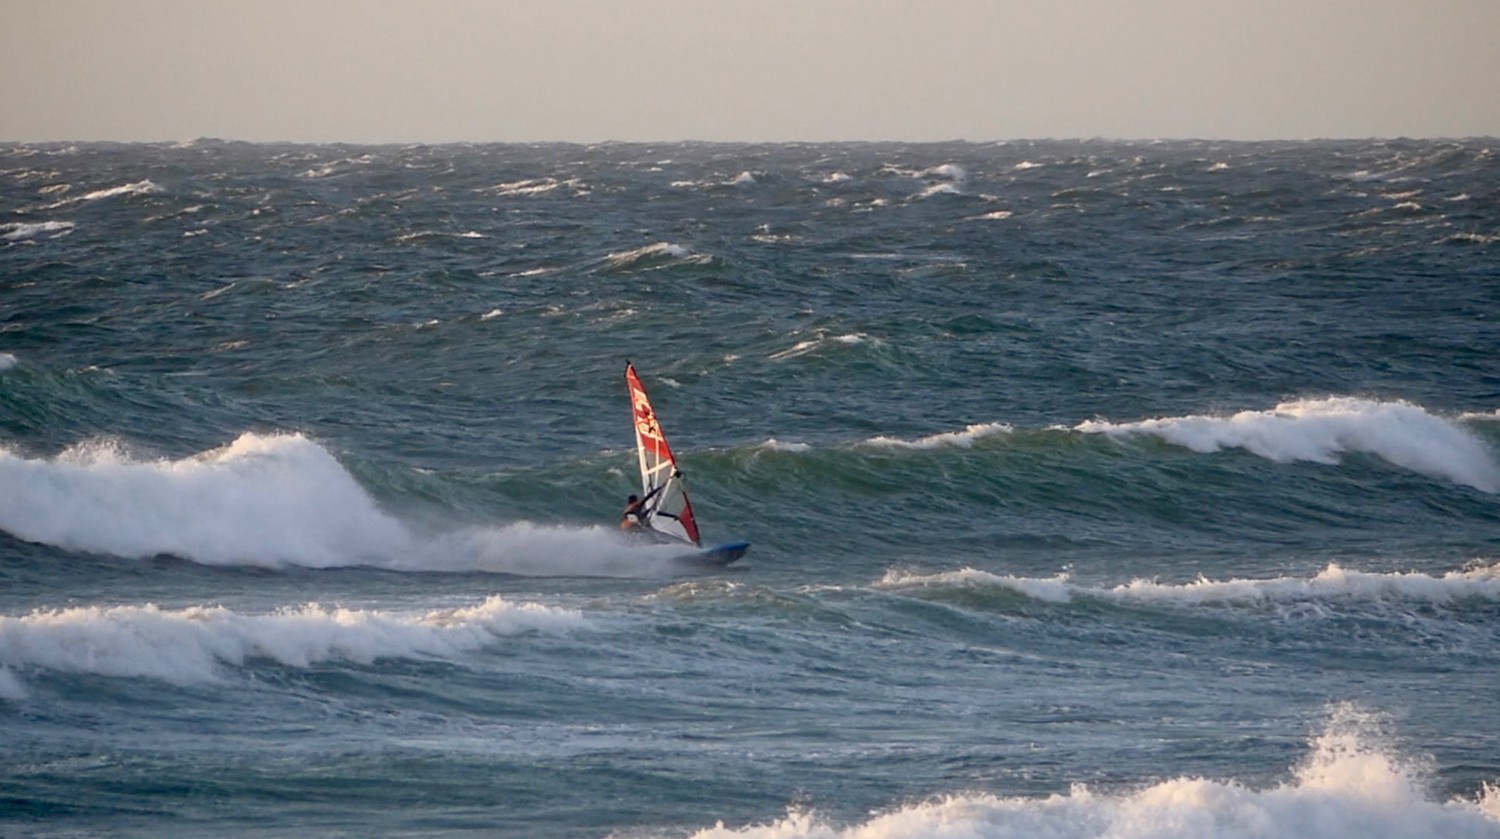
(262, 500)
(1351, 784)
(1320, 430)
(194, 644)
(1333, 582)
(658, 255)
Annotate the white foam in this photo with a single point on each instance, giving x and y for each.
(951, 171)
(660, 251)
(1332, 583)
(776, 445)
(193, 645)
(1056, 589)
(7, 361)
(1351, 786)
(535, 186)
(820, 340)
(425, 235)
(137, 188)
(25, 232)
(962, 439)
(797, 349)
(939, 189)
(1471, 237)
(263, 500)
(273, 501)
(1320, 430)
(535, 550)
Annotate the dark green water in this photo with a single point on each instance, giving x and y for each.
(1169, 470)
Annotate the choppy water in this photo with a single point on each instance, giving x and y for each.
(1096, 489)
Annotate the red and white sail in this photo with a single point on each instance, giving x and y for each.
(667, 509)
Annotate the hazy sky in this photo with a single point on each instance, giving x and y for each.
(586, 70)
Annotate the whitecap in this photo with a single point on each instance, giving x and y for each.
(996, 215)
(1058, 589)
(198, 643)
(651, 256)
(951, 171)
(772, 444)
(1320, 430)
(1351, 783)
(938, 189)
(270, 500)
(798, 349)
(1334, 582)
(961, 439)
(137, 188)
(23, 231)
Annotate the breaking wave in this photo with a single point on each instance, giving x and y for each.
(24, 232)
(273, 501)
(658, 255)
(1353, 784)
(1320, 430)
(1333, 582)
(197, 644)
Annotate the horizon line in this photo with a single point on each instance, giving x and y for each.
(705, 142)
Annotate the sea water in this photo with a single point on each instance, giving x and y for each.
(1095, 489)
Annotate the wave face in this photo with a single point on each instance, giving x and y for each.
(1094, 489)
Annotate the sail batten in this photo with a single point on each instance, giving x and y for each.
(667, 509)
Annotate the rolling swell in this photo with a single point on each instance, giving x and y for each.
(1137, 488)
(987, 489)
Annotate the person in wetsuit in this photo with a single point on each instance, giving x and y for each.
(635, 513)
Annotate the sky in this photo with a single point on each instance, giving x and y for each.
(432, 71)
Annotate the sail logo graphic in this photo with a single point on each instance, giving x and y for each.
(645, 420)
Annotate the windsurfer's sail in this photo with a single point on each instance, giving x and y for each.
(666, 508)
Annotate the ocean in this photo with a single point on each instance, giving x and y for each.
(1094, 489)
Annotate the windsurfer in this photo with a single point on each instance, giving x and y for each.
(635, 510)
(634, 513)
